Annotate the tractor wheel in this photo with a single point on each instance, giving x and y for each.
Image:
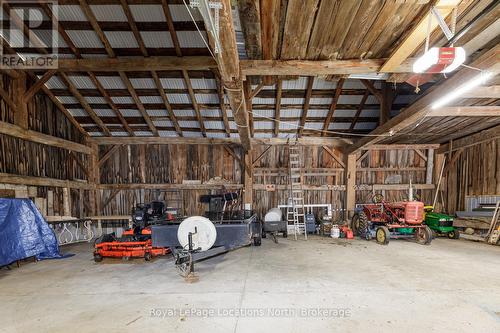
(382, 235)
(97, 257)
(424, 235)
(355, 224)
(359, 224)
(148, 256)
(455, 234)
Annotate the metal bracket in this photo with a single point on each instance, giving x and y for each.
(444, 27)
(206, 8)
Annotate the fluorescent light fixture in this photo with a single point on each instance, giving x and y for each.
(439, 60)
(460, 91)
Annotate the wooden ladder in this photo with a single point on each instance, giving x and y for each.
(494, 230)
(295, 208)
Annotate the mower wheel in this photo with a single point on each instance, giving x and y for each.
(148, 256)
(285, 234)
(382, 235)
(424, 235)
(124, 258)
(97, 257)
(264, 235)
(257, 241)
(455, 234)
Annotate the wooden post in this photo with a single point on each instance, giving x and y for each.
(18, 90)
(350, 185)
(142, 163)
(66, 202)
(430, 166)
(248, 181)
(386, 103)
(95, 195)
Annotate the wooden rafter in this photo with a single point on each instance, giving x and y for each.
(196, 107)
(305, 109)
(374, 91)
(466, 111)
(335, 157)
(333, 106)
(359, 110)
(164, 97)
(248, 100)
(83, 102)
(171, 29)
(222, 103)
(38, 85)
(277, 108)
(108, 154)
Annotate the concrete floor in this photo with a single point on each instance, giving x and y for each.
(448, 286)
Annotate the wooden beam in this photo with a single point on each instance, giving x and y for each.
(249, 11)
(452, 160)
(80, 164)
(164, 97)
(386, 100)
(317, 67)
(471, 140)
(33, 136)
(247, 88)
(112, 195)
(403, 146)
(359, 110)
(416, 111)
(222, 103)
(350, 181)
(335, 157)
(137, 64)
(108, 154)
(429, 166)
(277, 109)
(196, 107)
(21, 110)
(303, 141)
(257, 90)
(83, 102)
(466, 111)
(248, 181)
(5, 96)
(254, 162)
(305, 109)
(417, 36)
(38, 85)
(374, 91)
(168, 186)
(483, 92)
(7, 178)
(333, 106)
(171, 28)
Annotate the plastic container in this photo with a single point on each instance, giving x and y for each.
(335, 232)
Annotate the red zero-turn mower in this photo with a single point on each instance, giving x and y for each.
(135, 242)
(382, 220)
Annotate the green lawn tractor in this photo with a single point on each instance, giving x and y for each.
(440, 224)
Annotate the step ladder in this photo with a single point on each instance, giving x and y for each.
(295, 208)
(493, 234)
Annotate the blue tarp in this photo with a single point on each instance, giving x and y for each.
(24, 232)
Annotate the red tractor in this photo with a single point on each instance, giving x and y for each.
(384, 220)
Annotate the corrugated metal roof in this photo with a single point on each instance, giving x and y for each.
(71, 13)
(189, 124)
(234, 135)
(203, 83)
(122, 100)
(48, 38)
(95, 99)
(213, 124)
(191, 39)
(263, 124)
(320, 100)
(143, 83)
(350, 99)
(370, 113)
(371, 100)
(157, 39)
(130, 113)
(289, 125)
(16, 38)
(263, 113)
(77, 112)
(216, 134)
(105, 113)
(292, 101)
(184, 113)
(143, 133)
(109, 13)
(317, 113)
(313, 126)
(405, 99)
(55, 83)
(320, 83)
(157, 113)
(151, 99)
(353, 84)
(84, 38)
(344, 113)
(163, 123)
(192, 134)
(180, 13)
(94, 55)
(259, 100)
(82, 82)
(339, 126)
(232, 125)
(290, 113)
(67, 99)
(121, 39)
(147, 13)
(167, 133)
(173, 83)
(96, 134)
(263, 135)
(210, 113)
(179, 98)
(119, 134)
(111, 82)
(207, 98)
(365, 126)
(287, 135)
(299, 84)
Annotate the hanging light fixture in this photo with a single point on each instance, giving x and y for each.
(440, 60)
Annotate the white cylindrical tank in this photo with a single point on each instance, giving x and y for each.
(273, 215)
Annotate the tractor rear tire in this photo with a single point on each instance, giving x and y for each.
(359, 225)
(382, 235)
(455, 234)
(97, 257)
(424, 235)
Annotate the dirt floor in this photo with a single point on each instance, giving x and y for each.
(317, 285)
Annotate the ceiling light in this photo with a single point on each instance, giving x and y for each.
(440, 60)
(457, 93)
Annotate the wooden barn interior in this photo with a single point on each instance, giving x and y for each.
(229, 112)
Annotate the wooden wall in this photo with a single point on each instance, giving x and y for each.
(475, 172)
